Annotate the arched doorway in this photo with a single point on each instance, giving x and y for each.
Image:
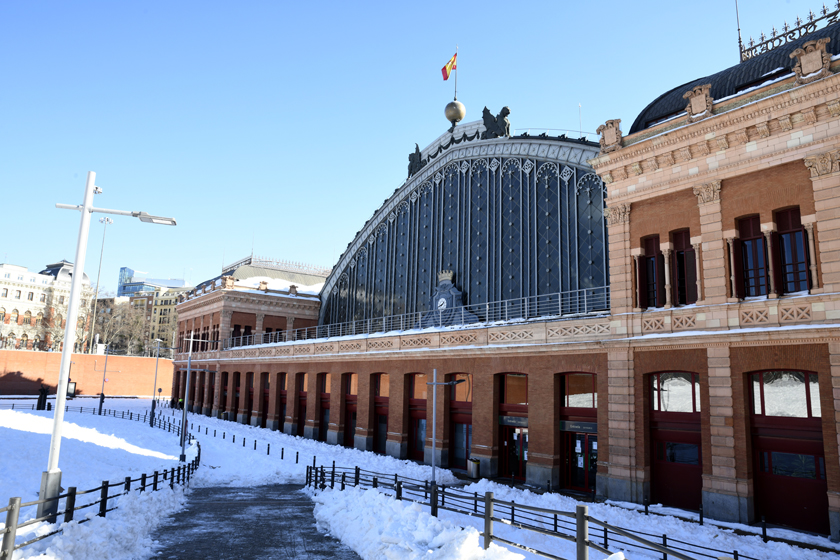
(265, 387)
(676, 464)
(460, 420)
(513, 425)
(578, 431)
(381, 396)
(302, 384)
(417, 391)
(790, 480)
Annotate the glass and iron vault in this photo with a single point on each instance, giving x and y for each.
(515, 219)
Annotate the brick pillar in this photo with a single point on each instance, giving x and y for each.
(225, 326)
(625, 480)
(544, 446)
(621, 268)
(825, 179)
(834, 497)
(335, 429)
(726, 496)
(272, 419)
(231, 395)
(290, 326)
(207, 404)
(292, 405)
(397, 443)
(365, 416)
(257, 405)
(217, 394)
(711, 233)
(244, 391)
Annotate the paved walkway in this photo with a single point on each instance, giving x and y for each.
(268, 522)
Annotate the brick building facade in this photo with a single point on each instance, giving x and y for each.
(710, 379)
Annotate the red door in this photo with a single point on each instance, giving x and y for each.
(350, 424)
(264, 417)
(581, 453)
(677, 469)
(513, 458)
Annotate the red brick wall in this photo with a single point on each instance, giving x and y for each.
(664, 214)
(22, 372)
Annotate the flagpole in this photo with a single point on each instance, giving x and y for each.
(456, 72)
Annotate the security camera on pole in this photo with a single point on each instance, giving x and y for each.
(51, 478)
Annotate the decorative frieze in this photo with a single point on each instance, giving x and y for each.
(755, 316)
(795, 313)
(510, 336)
(710, 192)
(699, 103)
(610, 136)
(684, 322)
(460, 338)
(741, 136)
(578, 330)
(704, 149)
(812, 61)
(619, 174)
(618, 214)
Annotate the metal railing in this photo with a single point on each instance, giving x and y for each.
(155, 481)
(787, 33)
(545, 307)
(572, 526)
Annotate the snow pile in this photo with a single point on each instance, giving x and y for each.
(279, 284)
(377, 526)
(123, 534)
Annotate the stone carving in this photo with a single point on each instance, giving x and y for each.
(785, 123)
(608, 178)
(812, 61)
(763, 130)
(684, 322)
(754, 316)
(228, 282)
(619, 214)
(823, 164)
(710, 192)
(741, 136)
(610, 136)
(685, 154)
(810, 116)
(833, 108)
(699, 103)
(510, 336)
(653, 325)
(636, 169)
(795, 313)
(668, 159)
(495, 127)
(650, 165)
(263, 286)
(722, 143)
(704, 148)
(415, 161)
(578, 330)
(619, 174)
(293, 290)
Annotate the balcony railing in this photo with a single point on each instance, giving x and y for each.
(545, 307)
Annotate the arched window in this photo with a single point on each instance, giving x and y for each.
(39, 319)
(58, 320)
(2, 314)
(36, 344)
(24, 340)
(11, 340)
(790, 394)
(27, 318)
(14, 318)
(675, 391)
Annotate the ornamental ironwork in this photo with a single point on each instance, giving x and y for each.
(788, 33)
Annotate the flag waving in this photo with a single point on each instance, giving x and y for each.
(450, 66)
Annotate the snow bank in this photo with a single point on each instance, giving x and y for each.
(377, 526)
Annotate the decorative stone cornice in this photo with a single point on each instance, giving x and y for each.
(710, 192)
(699, 103)
(618, 214)
(812, 61)
(610, 136)
(823, 164)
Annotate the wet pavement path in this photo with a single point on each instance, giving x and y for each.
(273, 521)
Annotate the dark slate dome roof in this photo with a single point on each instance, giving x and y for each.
(730, 81)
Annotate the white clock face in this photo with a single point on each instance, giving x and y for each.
(441, 303)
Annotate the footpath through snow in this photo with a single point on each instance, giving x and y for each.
(117, 448)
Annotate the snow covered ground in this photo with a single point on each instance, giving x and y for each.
(114, 448)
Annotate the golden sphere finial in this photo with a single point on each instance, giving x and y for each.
(455, 112)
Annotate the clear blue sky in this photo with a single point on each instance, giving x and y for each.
(286, 124)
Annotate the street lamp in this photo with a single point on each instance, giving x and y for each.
(104, 371)
(434, 385)
(183, 457)
(51, 478)
(157, 355)
(107, 221)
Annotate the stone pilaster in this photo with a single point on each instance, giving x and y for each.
(258, 403)
(711, 233)
(217, 394)
(259, 326)
(225, 326)
(698, 267)
(273, 421)
(666, 253)
(725, 496)
(625, 480)
(825, 179)
(621, 269)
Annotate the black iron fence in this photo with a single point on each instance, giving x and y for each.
(573, 526)
(147, 482)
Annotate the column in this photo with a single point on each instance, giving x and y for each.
(244, 389)
(733, 288)
(217, 393)
(697, 268)
(290, 326)
(666, 252)
(812, 254)
(727, 492)
(207, 405)
(711, 234)
(768, 241)
(825, 179)
(625, 480)
(225, 327)
(620, 264)
(257, 404)
(272, 419)
(231, 396)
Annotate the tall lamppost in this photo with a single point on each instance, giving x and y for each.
(157, 355)
(104, 371)
(105, 221)
(434, 385)
(51, 478)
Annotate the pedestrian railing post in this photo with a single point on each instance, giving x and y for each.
(103, 499)
(356, 477)
(399, 490)
(332, 476)
(8, 546)
(155, 482)
(143, 482)
(128, 484)
(323, 478)
(297, 453)
(70, 504)
(434, 499)
(342, 480)
(488, 519)
(582, 532)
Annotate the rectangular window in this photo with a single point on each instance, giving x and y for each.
(681, 453)
(383, 388)
(792, 256)
(794, 465)
(753, 257)
(684, 265)
(30, 296)
(577, 390)
(652, 274)
(788, 394)
(676, 391)
(462, 392)
(5, 292)
(61, 300)
(353, 384)
(42, 298)
(17, 294)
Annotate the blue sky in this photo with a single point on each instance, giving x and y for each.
(281, 126)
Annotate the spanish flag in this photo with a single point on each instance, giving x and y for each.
(450, 66)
